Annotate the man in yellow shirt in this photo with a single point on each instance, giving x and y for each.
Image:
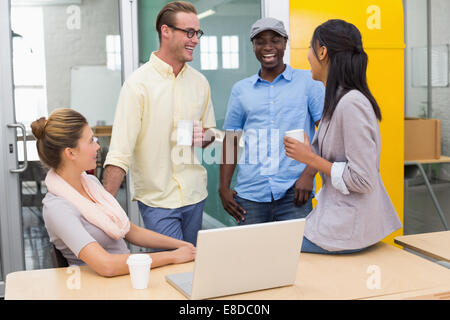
(167, 180)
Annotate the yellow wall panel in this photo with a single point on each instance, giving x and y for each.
(381, 26)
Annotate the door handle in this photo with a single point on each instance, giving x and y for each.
(25, 158)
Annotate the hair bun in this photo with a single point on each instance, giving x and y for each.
(38, 127)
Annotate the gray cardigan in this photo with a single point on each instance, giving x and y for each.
(365, 215)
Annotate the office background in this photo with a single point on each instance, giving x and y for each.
(75, 53)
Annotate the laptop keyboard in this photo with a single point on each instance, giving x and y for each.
(183, 281)
(186, 287)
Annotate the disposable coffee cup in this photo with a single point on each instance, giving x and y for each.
(185, 130)
(298, 134)
(139, 266)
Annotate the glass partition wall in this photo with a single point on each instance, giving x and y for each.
(416, 59)
(439, 11)
(224, 56)
(427, 95)
(65, 55)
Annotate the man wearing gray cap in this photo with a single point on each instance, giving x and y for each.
(261, 109)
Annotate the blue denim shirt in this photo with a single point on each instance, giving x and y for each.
(264, 111)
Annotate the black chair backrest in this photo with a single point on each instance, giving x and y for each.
(57, 258)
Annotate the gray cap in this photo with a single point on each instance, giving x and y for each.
(268, 24)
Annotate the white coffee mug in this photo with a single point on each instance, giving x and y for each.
(298, 134)
(185, 129)
(139, 266)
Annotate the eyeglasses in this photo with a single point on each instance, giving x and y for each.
(189, 32)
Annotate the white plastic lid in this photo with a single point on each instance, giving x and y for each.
(296, 130)
(139, 258)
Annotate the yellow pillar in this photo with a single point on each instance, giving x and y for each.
(381, 26)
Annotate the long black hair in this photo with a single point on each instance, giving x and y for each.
(348, 63)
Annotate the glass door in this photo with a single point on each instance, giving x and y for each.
(64, 56)
(11, 245)
(59, 54)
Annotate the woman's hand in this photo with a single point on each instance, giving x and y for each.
(296, 150)
(187, 244)
(184, 254)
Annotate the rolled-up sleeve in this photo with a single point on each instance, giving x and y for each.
(126, 128)
(360, 141)
(337, 170)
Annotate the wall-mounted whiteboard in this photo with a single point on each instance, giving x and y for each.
(439, 66)
(94, 91)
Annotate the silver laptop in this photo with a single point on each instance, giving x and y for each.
(241, 259)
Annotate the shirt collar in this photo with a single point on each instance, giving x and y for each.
(163, 67)
(286, 74)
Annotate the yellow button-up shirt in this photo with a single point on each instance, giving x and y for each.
(151, 102)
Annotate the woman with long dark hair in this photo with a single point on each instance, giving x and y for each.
(354, 210)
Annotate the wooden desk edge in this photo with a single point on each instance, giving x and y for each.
(440, 293)
(419, 250)
(434, 292)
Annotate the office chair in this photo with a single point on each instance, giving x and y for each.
(58, 259)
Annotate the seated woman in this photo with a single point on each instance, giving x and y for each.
(83, 220)
(354, 210)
